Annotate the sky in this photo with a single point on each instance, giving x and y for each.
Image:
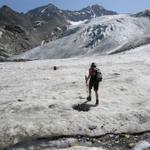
(120, 6)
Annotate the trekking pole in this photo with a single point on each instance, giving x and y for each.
(87, 87)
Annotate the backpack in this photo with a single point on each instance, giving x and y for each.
(98, 75)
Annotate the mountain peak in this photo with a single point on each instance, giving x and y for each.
(51, 5)
(97, 10)
(5, 8)
(43, 9)
(97, 6)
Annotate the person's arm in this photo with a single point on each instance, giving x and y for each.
(88, 77)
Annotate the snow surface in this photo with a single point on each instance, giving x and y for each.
(36, 101)
(102, 35)
(142, 145)
(83, 148)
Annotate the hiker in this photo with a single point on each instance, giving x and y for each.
(95, 77)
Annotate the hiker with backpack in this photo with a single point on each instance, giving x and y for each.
(94, 77)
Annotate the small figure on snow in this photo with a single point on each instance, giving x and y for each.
(94, 77)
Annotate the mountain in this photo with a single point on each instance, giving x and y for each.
(18, 32)
(40, 25)
(145, 13)
(9, 16)
(51, 12)
(87, 13)
(48, 22)
(102, 35)
(14, 32)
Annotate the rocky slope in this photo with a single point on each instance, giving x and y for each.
(14, 36)
(11, 17)
(20, 32)
(39, 105)
(102, 35)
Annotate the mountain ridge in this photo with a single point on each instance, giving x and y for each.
(41, 25)
(45, 23)
(102, 35)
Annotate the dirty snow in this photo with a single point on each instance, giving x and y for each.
(36, 101)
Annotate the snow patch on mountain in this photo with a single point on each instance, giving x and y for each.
(94, 15)
(1, 33)
(39, 23)
(76, 23)
(42, 11)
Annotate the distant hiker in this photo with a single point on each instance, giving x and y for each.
(95, 77)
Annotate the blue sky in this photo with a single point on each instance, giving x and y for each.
(121, 6)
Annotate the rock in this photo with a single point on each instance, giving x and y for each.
(52, 106)
(80, 97)
(127, 136)
(38, 148)
(131, 145)
(93, 127)
(116, 74)
(111, 135)
(55, 68)
(20, 100)
(15, 28)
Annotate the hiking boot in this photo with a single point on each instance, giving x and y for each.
(97, 102)
(88, 98)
